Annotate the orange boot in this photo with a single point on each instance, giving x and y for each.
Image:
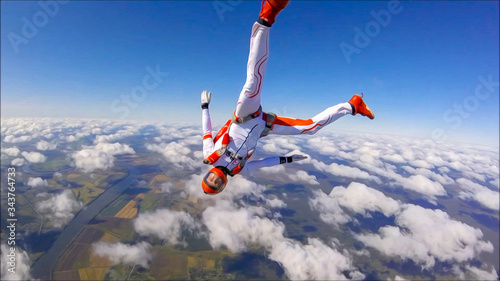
(270, 9)
(360, 107)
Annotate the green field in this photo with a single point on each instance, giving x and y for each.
(116, 206)
(171, 263)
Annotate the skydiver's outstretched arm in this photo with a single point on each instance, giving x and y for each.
(268, 162)
(208, 142)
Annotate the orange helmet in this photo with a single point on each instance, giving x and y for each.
(214, 181)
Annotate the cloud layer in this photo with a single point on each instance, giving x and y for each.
(345, 176)
(425, 235)
(99, 156)
(422, 235)
(122, 253)
(37, 182)
(60, 208)
(19, 267)
(165, 224)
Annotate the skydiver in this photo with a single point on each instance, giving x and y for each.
(236, 141)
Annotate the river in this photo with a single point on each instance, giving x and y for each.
(44, 266)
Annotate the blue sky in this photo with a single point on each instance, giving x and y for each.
(430, 71)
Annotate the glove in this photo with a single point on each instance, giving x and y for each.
(206, 96)
(290, 159)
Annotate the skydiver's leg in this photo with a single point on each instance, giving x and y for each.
(249, 100)
(289, 126)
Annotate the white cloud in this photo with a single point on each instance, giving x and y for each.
(11, 151)
(495, 183)
(422, 235)
(34, 157)
(19, 267)
(359, 198)
(166, 187)
(14, 139)
(416, 182)
(275, 203)
(419, 183)
(90, 159)
(127, 131)
(60, 208)
(280, 173)
(177, 154)
(70, 138)
(395, 158)
(18, 162)
(99, 156)
(323, 145)
(329, 209)
(368, 154)
(114, 148)
(435, 162)
(416, 165)
(482, 274)
(426, 235)
(343, 171)
(271, 147)
(421, 164)
(313, 261)
(442, 179)
(122, 253)
(37, 182)
(356, 197)
(165, 224)
(279, 145)
(237, 228)
(481, 194)
(44, 145)
(304, 177)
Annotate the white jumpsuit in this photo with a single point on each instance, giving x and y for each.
(243, 137)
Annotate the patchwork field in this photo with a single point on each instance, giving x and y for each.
(79, 262)
(171, 263)
(86, 187)
(130, 210)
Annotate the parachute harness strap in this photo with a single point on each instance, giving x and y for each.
(212, 158)
(269, 118)
(241, 120)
